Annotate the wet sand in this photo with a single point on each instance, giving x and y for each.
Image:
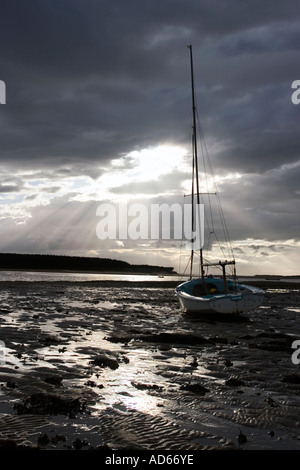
(116, 365)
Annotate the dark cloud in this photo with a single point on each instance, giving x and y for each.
(89, 82)
(8, 188)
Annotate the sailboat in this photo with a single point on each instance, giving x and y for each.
(209, 293)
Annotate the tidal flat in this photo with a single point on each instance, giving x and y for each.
(118, 365)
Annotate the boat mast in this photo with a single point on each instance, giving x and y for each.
(195, 168)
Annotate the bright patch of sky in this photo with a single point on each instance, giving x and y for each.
(138, 167)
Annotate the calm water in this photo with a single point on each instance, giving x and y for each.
(34, 276)
(38, 276)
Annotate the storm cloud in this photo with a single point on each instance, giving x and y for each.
(88, 83)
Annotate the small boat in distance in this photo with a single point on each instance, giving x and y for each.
(209, 293)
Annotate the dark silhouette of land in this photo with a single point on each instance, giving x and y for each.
(15, 261)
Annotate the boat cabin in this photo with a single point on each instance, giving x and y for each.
(210, 286)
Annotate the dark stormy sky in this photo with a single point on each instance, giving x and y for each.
(98, 110)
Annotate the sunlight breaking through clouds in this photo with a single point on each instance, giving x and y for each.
(141, 167)
(108, 118)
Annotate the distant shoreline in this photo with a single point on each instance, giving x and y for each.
(62, 263)
(272, 283)
(164, 281)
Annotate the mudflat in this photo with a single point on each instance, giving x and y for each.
(116, 365)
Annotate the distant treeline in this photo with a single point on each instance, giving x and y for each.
(76, 263)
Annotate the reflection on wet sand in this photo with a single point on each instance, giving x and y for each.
(136, 372)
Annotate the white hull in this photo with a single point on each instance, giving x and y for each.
(246, 298)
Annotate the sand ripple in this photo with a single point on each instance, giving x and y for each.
(20, 428)
(135, 430)
(149, 376)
